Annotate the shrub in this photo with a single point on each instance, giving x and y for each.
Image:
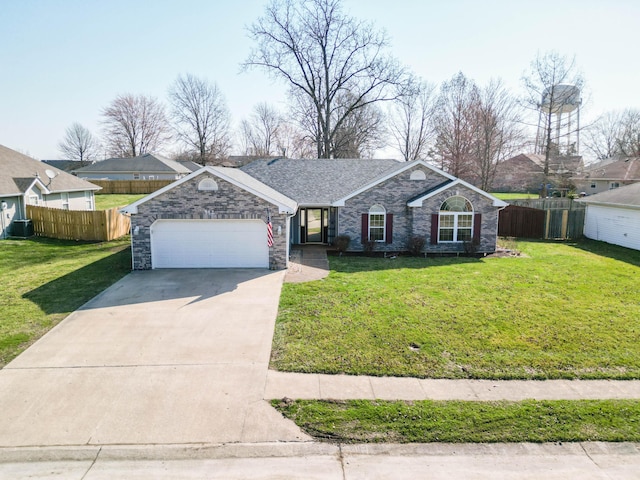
(341, 242)
(368, 246)
(415, 245)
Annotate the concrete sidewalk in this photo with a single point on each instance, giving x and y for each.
(346, 387)
(307, 263)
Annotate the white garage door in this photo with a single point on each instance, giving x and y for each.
(209, 244)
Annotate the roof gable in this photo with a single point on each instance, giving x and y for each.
(402, 167)
(417, 201)
(231, 175)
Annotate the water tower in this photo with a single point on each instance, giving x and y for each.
(559, 111)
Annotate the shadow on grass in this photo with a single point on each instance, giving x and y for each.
(615, 252)
(69, 292)
(354, 264)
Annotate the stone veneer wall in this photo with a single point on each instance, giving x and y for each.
(393, 195)
(186, 202)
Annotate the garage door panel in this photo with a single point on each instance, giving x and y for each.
(209, 244)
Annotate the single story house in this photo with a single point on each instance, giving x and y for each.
(525, 172)
(143, 167)
(26, 181)
(614, 216)
(608, 174)
(219, 216)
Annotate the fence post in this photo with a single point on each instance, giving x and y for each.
(547, 223)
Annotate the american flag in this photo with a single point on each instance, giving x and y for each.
(269, 231)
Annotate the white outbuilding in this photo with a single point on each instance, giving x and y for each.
(614, 216)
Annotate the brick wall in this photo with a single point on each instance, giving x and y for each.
(185, 201)
(393, 195)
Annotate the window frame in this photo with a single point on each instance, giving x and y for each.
(452, 220)
(374, 212)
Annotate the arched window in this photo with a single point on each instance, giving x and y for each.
(207, 185)
(456, 220)
(377, 216)
(418, 175)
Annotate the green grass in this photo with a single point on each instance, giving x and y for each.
(515, 196)
(558, 311)
(43, 280)
(105, 202)
(363, 421)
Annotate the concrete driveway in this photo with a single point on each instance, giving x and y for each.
(161, 357)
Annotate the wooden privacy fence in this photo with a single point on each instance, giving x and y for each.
(129, 186)
(548, 218)
(100, 225)
(521, 222)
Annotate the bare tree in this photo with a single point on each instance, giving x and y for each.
(201, 117)
(455, 125)
(134, 125)
(628, 142)
(360, 134)
(551, 86)
(260, 133)
(615, 133)
(602, 136)
(498, 131)
(79, 144)
(322, 54)
(411, 120)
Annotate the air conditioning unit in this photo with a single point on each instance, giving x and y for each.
(22, 228)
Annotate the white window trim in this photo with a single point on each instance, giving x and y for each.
(455, 215)
(378, 210)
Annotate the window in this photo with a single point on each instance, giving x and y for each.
(377, 223)
(207, 185)
(33, 200)
(88, 200)
(593, 184)
(614, 185)
(64, 196)
(136, 176)
(455, 220)
(418, 175)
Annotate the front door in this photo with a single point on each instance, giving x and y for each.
(314, 223)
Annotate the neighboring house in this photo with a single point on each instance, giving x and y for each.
(144, 167)
(525, 172)
(614, 216)
(217, 216)
(66, 165)
(26, 181)
(608, 174)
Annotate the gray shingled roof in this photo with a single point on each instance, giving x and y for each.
(146, 163)
(18, 172)
(627, 169)
(318, 181)
(627, 195)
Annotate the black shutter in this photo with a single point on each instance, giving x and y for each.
(389, 228)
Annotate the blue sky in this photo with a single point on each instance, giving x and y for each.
(62, 61)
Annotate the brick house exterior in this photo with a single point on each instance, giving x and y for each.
(383, 203)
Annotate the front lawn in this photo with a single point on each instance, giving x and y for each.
(558, 311)
(364, 421)
(43, 280)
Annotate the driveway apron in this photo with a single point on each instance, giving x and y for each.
(161, 357)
